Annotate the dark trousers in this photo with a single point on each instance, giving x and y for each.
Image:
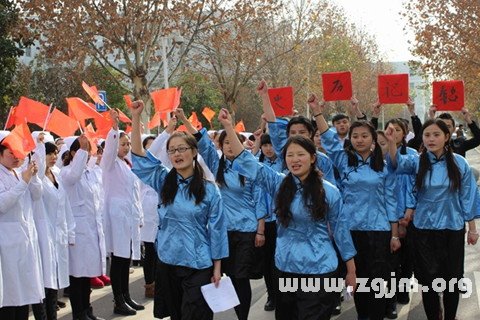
(119, 275)
(149, 262)
(300, 305)
(79, 294)
(14, 313)
(371, 261)
(270, 272)
(48, 309)
(178, 294)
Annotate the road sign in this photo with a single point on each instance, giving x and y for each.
(103, 96)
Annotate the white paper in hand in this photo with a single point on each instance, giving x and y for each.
(222, 298)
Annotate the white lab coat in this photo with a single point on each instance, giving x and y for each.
(55, 226)
(21, 266)
(87, 258)
(150, 198)
(123, 214)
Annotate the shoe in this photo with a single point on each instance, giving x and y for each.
(80, 316)
(96, 283)
(122, 308)
(403, 298)
(90, 315)
(134, 305)
(391, 314)
(337, 310)
(61, 304)
(270, 305)
(105, 279)
(150, 290)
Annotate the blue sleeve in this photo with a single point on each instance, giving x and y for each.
(390, 197)
(411, 196)
(469, 194)
(406, 163)
(338, 222)
(326, 166)
(208, 152)
(261, 210)
(335, 151)
(149, 170)
(217, 226)
(267, 178)
(278, 135)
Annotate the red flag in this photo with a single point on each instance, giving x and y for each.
(337, 86)
(240, 127)
(208, 114)
(128, 100)
(166, 100)
(281, 100)
(92, 93)
(11, 117)
(61, 124)
(182, 128)
(80, 110)
(20, 141)
(393, 88)
(31, 111)
(155, 121)
(449, 95)
(194, 121)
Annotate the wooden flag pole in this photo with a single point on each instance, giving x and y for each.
(8, 118)
(50, 110)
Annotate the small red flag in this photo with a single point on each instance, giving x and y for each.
(128, 100)
(449, 95)
(61, 124)
(31, 111)
(240, 127)
(393, 88)
(166, 100)
(92, 93)
(20, 141)
(281, 100)
(337, 86)
(11, 119)
(194, 121)
(81, 110)
(208, 114)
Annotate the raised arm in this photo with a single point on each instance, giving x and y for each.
(137, 147)
(72, 173)
(111, 144)
(475, 140)
(262, 90)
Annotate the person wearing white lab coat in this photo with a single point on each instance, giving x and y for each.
(123, 216)
(21, 267)
(56, 229)
(87, 256)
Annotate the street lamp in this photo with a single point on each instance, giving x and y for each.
(177, 39)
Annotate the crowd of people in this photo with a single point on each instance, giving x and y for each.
(300, 200)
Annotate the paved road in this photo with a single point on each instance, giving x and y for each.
(468, 309)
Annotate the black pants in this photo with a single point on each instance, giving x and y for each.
(149, 262)
(119, 275)
(439, 254)
(178, 294)
(14, 313)
(270, 272)
(48, 309)
(371, 261)
(79, 294)
(300, 305)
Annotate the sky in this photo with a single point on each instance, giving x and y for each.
(381, 19)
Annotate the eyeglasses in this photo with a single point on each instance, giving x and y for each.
(179, 149)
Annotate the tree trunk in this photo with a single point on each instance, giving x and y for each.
(141, 92)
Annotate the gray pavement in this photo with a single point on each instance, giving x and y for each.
(468, 309)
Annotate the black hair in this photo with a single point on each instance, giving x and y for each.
(264, 139)
(376, 162)
(401, 123)
(301, 120)
(220, 178)
(447, 116)
(338, 117)
(313, 192)
(68, 156)
(196, 188)
(50, 148)
(425, 165)
(2, 148)
(145, 141)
